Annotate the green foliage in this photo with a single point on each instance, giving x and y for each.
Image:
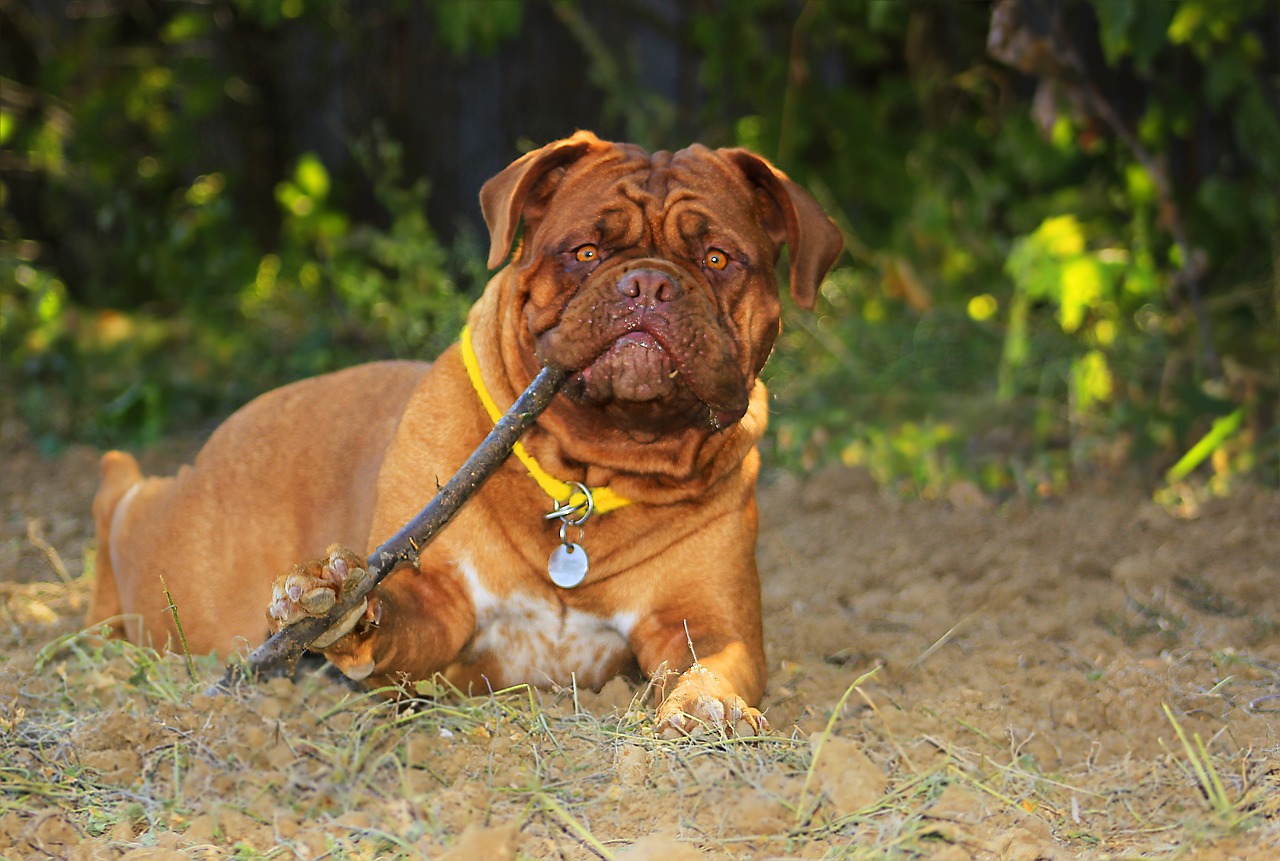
(467, 26)
(1035, 291)
(151, 304)
(333, 294)
(1041, 331)
(396, 281)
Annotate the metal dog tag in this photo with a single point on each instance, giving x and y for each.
(567, 565)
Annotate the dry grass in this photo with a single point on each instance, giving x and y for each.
(1085, 679)
(111, 749)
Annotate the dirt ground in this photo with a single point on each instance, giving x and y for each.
(1085, 677)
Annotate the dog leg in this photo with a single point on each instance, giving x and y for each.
(119, 474)
(410, 627)
(706, 676)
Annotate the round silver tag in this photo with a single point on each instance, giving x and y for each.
(567, 565)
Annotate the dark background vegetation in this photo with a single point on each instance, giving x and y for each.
(1062, 216)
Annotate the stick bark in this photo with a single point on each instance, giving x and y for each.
(284, 647)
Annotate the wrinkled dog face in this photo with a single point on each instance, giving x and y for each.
(652, 278)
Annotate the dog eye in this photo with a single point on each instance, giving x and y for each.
(715, 259)
(586, 253)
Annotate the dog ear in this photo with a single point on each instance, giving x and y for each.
(502, 198)
(791, 215)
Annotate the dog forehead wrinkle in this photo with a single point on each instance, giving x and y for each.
(635, 226)
(614, 226)
(659, 178)
(657, 186)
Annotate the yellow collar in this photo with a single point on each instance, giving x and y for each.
(562, 492)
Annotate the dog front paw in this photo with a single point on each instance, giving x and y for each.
(701, 703)
(313, 588)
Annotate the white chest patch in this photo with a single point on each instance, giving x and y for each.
(540, 641)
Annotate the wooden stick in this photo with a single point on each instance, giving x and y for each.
(285, 646)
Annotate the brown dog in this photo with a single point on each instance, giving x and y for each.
(651, 279)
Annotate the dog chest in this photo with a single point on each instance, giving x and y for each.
(535, 639)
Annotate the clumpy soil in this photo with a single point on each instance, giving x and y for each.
(1080, 677)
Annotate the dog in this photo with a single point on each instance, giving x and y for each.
(650, 279)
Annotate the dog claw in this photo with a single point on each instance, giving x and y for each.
(681, 725)
(751, 724)
(673, 727)
(355, 578)
(317, 602)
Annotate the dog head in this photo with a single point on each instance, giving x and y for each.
(650, 277)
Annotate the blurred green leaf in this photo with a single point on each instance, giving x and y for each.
(311, 177)
(467, 26)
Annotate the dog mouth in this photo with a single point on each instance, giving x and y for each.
(635, 367)
(652, 366)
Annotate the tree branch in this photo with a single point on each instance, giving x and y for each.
(284, 648)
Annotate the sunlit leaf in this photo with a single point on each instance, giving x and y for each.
(1081, 292)
(1063, 133)
(49, 305)
(1061, 236)
(1142, 191)
(1104, 332)
(1091, 380)
(312, 177)
(186, 26)
(1223, 429)
(1188, 20)
(205, 188)
(983, 307)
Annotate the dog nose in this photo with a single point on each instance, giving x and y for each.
(649, 286)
